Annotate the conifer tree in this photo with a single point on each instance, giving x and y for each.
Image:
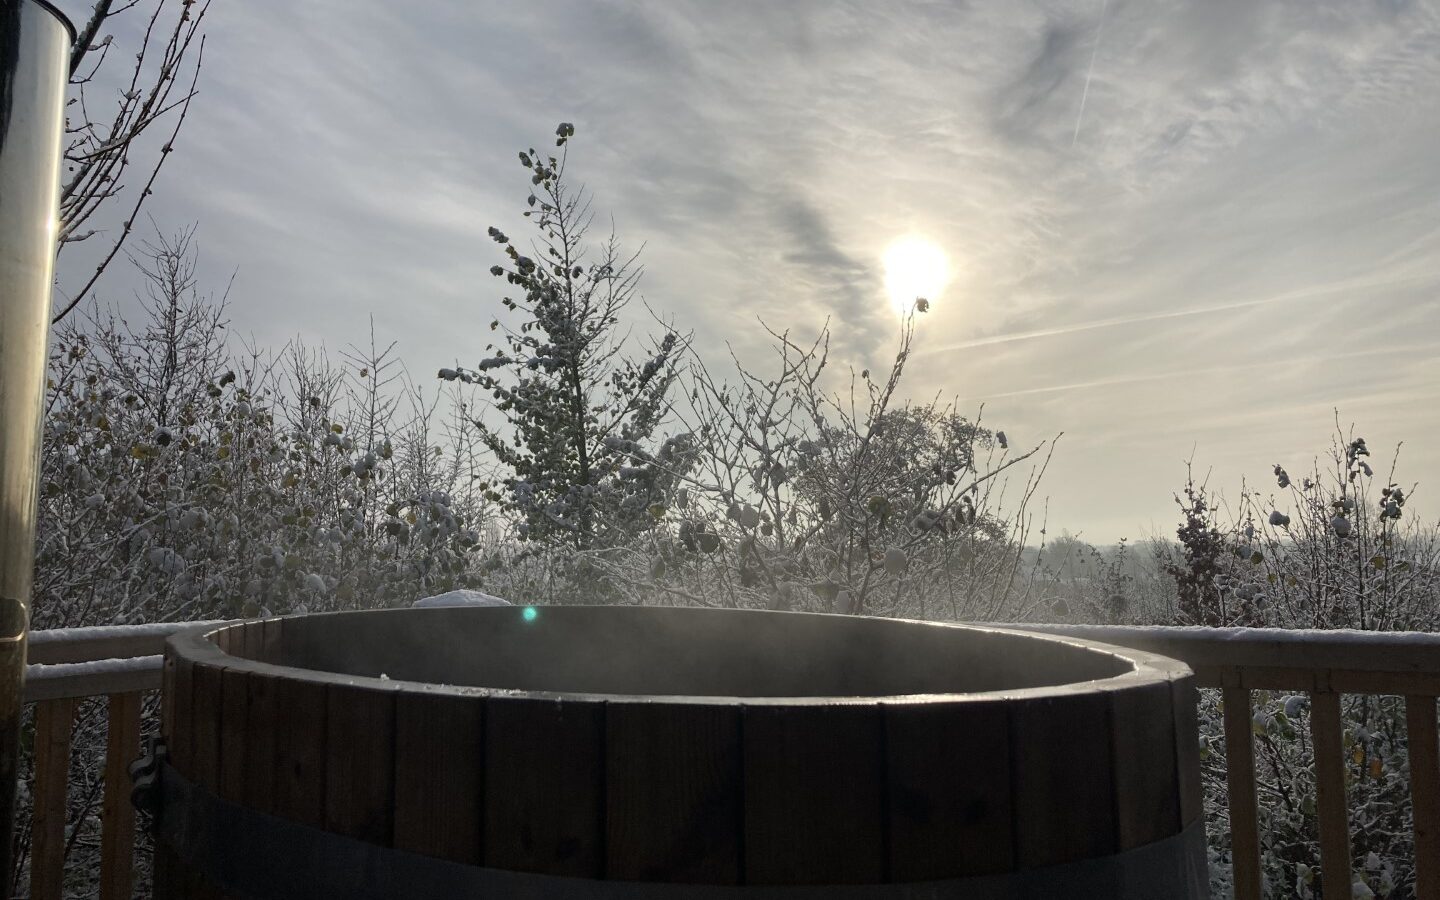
(578, 416)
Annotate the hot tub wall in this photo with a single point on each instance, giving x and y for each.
(844, 792)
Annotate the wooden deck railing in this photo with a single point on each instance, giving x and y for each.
(1324, 664)
(67, 665)
(123, 663)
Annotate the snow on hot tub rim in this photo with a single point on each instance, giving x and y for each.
(198, 646)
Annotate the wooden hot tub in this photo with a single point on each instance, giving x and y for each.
(649, 752)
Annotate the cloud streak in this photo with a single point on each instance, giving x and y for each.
(1205, 371)
(1309, 294)
(1089, 72)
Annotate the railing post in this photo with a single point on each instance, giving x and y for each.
(54, 720)
(1327, 737)
(117, 816)
(1420, 723)
(1240, 779)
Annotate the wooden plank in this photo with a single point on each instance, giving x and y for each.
(294, 638)
(439, 776)
(1240, 780)
(207, 706)
(262, 723)
(237, 631)
(1147, 782)
(1341, 681)
(254, 637)
(951, 812)
(814, 795)
(234, 734)
(270, 641)
(240, 646)
(1187, 749)
(360, 762)
(182, 731)
(544, 792)
(1327, 737)
(206, 711)
(1420, 721)
(1064, 801)
(54, 720)
(167, 696)
(673, 789)
(1344, 681)
(117, 816)
(300, 751)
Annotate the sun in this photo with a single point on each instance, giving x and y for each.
(914, 267)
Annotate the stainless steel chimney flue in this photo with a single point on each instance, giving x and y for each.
(35, 41)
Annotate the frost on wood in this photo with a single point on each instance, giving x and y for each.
(96, 667)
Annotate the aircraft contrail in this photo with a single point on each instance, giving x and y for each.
(1307, 293)
(1415, 349)
(1099, 30)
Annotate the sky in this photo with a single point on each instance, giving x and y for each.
(1175, 230)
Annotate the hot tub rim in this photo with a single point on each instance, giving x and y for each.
(198, 646)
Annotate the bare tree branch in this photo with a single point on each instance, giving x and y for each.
(99, 153)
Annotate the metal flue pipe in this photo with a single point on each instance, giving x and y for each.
(35, 41)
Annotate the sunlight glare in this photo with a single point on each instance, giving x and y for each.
(914, 267)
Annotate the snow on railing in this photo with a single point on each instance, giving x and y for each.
(71, 645)
(61, 681)
(1356, 662)
(123, 662)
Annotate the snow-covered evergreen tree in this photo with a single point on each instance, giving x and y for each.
(577, 438)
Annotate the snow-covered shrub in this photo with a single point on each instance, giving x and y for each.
(183, 481)
(789, 496)
(1334, 548)
(1337, 549)
(1116, 585)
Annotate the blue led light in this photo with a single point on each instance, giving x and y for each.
(530, 613)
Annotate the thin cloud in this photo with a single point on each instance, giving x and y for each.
(1307, 294)
(1240, 162)
(1205, 371)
